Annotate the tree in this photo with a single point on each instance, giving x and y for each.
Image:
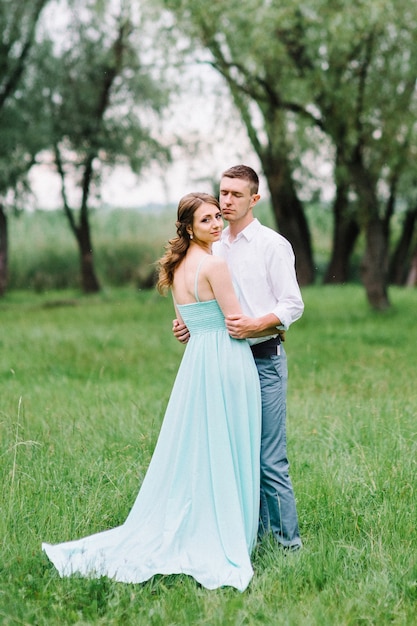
(237, 37)
(347, 70)
(18, 22)
(97, 91)
(367, 117)
(19, 139)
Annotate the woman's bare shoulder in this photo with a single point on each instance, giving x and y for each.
(215, 262)
(214, 265)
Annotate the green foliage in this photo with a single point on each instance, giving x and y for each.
(126, 245)
(316, 82)
(349, 70)
(21, 127)
(84, 382)
(100, 93)
(102, 101)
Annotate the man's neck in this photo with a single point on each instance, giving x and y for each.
(236, 227)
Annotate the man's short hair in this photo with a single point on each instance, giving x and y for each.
(245, 173)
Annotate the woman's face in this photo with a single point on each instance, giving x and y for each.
(207, 224)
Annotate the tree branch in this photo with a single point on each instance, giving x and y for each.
(13, 79)
(67, 209)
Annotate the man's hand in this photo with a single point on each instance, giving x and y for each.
(180, 331)
(241, 327)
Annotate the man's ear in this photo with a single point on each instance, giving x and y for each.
(255, 199)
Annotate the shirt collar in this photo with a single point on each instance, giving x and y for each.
(248, 233)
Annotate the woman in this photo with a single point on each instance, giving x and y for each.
(197, 509)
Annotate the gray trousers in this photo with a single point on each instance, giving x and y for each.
(278, 511)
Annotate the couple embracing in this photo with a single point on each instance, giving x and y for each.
(219, 474)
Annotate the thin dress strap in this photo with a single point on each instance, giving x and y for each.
(196, 278)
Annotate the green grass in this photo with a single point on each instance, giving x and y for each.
(83, 387)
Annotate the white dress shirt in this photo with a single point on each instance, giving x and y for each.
(262, 264)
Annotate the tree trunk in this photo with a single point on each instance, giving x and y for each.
(3, 251)
(345, 234)
(398, 265)
(89, 281)
(374, 265)
(81, 231)
(412, 274)
(290, 219)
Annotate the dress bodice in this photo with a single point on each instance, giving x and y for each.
(202, 317)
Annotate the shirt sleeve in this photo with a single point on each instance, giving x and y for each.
(283, 283)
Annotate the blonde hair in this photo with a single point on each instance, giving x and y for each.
(176, 248)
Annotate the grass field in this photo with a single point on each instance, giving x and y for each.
(83, 387)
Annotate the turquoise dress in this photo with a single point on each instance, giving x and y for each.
(197, 509)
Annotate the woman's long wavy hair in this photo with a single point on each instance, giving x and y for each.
(176, 249)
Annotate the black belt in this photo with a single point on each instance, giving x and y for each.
(266, 348)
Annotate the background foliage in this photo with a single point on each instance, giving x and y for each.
(316, 85)
(127, 244)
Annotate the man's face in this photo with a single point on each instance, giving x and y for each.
(236, 199)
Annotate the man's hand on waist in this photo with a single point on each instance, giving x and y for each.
(242, 326)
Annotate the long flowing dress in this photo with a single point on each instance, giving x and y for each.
(197, 509)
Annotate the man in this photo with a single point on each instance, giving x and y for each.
(262, 266)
